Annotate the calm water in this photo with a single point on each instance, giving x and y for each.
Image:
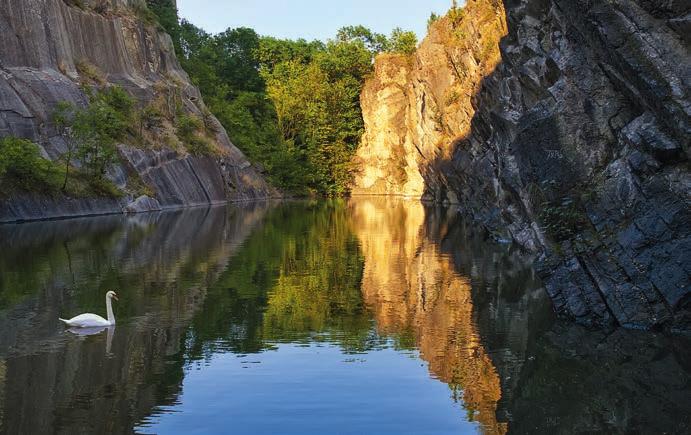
(368, 316)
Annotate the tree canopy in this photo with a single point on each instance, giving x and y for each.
(291, 105)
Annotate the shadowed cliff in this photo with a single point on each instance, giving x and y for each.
(560, 125)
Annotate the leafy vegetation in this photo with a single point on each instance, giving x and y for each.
(90, 73)
(22, 167)
(433, 17)
(90, 135)
(93, 132)
(190, 129)
(290, 105)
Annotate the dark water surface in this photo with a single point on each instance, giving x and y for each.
(366, 316)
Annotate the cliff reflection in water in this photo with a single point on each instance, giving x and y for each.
(416, 292)
(380, 280)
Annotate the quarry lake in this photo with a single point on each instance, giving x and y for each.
(348, 316)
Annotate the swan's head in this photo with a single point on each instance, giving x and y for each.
(111, 295)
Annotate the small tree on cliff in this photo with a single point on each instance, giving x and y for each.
(63, 118)
(402, 41)
(92, 133)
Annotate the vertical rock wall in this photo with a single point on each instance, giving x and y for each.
(563, 126)
(42, 44)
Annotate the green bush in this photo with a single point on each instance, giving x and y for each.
(104, 187)
(149, 118)
(432, 19)
(94, 131)
(200, 146)
(403, 42)
(22, 167)
(187, 127)
(90, 72)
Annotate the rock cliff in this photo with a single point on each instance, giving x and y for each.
(562, 125)
(44, 48)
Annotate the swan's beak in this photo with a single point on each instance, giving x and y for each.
(115, 297)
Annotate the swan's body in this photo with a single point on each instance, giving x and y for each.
(89, 320)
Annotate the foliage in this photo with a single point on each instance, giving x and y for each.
(433, 17)
(316, 99)
(166, 15)
(91, 134)
(374, 42)
(291, 105)
(150, 118)
(98, 127)
(23, 167)
(189, 131)
(456, 14)
(403, 42)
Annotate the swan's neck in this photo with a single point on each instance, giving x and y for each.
(109, 309)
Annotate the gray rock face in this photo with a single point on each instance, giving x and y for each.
(604, 130)
(142, 204)
(42, 42)
(577, 149)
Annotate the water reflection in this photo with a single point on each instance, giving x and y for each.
(370, 315)
(161, 265)
(416, 293)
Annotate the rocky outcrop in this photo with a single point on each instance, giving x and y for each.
(561, 125)
(44, 48)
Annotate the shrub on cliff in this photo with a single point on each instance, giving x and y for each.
(403, 42)
(91, 134)
(22, 167)
(98, 127)
(189, 129)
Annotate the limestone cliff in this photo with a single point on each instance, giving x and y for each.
(44, 48)
(562, 125)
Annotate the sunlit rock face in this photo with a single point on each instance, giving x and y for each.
(415, 292)
(45, 48)
(414, 107)
(562, 125)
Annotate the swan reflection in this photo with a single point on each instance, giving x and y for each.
(82, 333)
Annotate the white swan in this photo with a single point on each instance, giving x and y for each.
(89, 320)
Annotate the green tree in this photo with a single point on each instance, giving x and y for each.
(375, 42)
(63, 119)
(404, 42)
(93, 132)
(433, 17)
(22, 166)
(291, 105)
